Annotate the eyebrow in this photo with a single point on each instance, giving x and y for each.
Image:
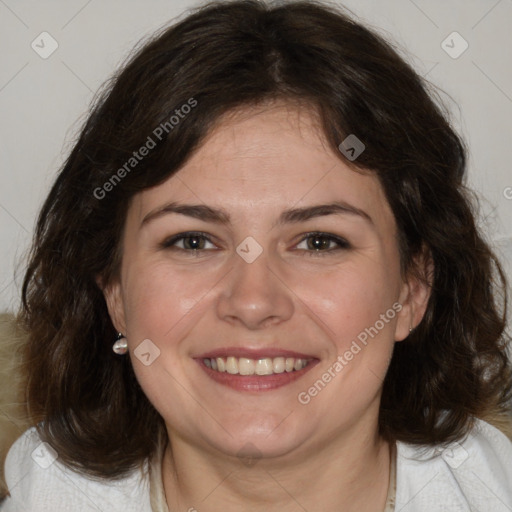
(291, 216)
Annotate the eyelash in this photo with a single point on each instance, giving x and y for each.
(342, 243)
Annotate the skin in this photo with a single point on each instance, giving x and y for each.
(325, 455)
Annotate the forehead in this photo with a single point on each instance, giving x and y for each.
(279, 140)
(269, 158)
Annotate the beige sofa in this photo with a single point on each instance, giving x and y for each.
(13, 414)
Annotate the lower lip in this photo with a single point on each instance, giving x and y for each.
(255, 382)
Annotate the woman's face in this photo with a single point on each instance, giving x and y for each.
(267, 251)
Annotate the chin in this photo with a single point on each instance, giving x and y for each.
(259, 439)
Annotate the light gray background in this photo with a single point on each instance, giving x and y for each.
(43, 101)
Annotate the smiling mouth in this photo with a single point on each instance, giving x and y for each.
(261, 372)
(261, 366)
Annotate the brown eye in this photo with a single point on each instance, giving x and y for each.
(194, 242)
(322, 242)
(188, 242)
(318, 242)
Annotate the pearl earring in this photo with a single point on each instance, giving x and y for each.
(120, 346)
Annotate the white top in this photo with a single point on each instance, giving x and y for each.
(473, 475)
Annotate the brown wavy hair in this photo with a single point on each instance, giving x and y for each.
(226, 55)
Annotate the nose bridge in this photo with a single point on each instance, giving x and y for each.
(253, 293)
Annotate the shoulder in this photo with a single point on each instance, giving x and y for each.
(38, 482)
(472, 474)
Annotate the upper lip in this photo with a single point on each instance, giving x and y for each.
(251, 353)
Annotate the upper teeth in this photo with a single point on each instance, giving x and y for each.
(264, 366)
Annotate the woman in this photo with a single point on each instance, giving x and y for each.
(270, 209)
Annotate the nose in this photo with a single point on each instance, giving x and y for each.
(254, 296)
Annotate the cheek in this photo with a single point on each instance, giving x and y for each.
(353, 303)
(159, 298)
(159, 307)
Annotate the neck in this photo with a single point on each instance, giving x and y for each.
(349, 473)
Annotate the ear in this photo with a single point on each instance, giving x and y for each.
(414, 294)
(114, 299)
